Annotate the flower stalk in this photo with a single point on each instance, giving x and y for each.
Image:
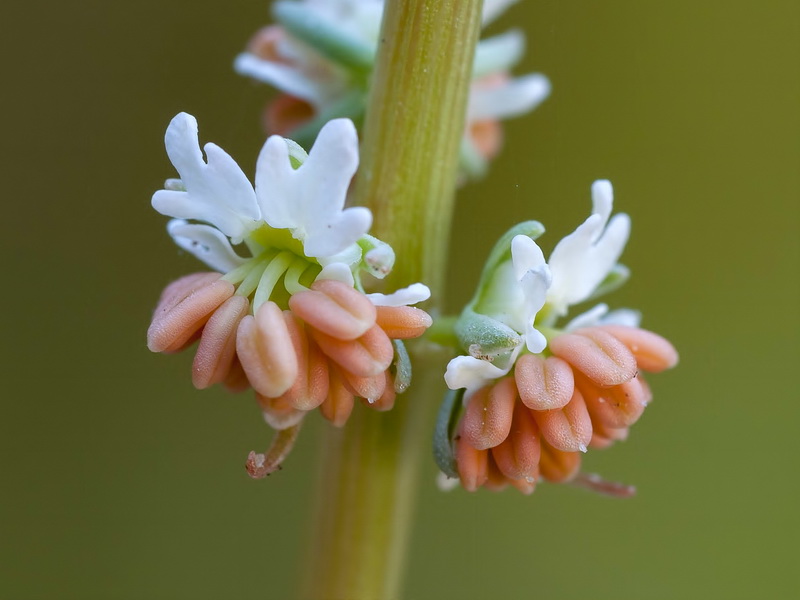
(412, 134)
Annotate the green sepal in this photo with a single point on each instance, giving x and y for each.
(489, 336)
(446, 421)
(616, 278)
(401, 367)
(484, 336)
(324, 36)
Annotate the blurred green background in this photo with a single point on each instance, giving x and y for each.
(121, 481)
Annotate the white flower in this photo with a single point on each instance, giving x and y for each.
(520, 288)
(583, 259)
(308, 201)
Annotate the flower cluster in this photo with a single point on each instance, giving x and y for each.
(322, 52)
(536, 396)
(291, 320)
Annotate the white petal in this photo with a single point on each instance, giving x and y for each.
(525, 255)
(445, 483)
(511, 98)
(498, 54)
(590, 318)
(310, 199)
(416, 292)
(339, 232)
(534, 286)
(472, 373)
(206, 243)
(602, 199)
(494, 8)
(623, 316)
(286, 78)
(276, 184)
(337, 272)
(217, 192)
(583, 259)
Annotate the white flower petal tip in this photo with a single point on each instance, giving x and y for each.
(581, 261)
(525, 255)
(472, 373)
(206, 243)
(417, 292)
(216, 190)
(337, 272)
(602, 198)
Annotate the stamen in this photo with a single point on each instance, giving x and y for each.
(291, 281)
(595, 483)
(335, 309)
(568, 429)
(264, 347)
(368, 355)
(544, 384)
(518, 455)
(653, 353)
(558, 466)
(487, 419)
(184, 311)
(260, 465)
(310, 387)
(339, 403)
(473, 465)
(270, 277)
(403, 322)
(217, 348)
(250, 282)
(597, 354)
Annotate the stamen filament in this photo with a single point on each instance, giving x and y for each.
(239, 273)
(270, 277)
(250, 282)
(291, 280)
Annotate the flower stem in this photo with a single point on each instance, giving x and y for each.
(414, 125)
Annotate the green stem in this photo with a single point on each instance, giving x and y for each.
(414, 125)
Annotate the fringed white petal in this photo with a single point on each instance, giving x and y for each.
(217, 191)
(310, 199)
(416, 292)
(206, 243)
